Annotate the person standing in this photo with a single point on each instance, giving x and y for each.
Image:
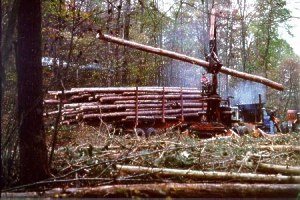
(204, 83)
(274, 122)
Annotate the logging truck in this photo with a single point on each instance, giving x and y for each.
(144, 109)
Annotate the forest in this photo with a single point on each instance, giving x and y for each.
(54, 71)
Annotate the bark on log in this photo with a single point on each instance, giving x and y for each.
(149, 103)
(284, 169)
(54, 101)
(116, 89)
(46, 114)
(279, 147)
(191, 190)
(184, 90)
(144, 97)
(173, 190)
(148, 112)
(78, 105)
(158, 101)
(132, 106)
(151, 117)
(208, 175)
(191, 60)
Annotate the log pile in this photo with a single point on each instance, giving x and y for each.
(126, 104)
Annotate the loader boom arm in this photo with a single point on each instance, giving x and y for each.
(192, 60)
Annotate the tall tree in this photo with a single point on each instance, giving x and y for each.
(32, 143)
(8, 33)
(126, 36)
(271, 15)
(1, 90)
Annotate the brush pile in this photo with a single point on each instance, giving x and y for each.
(125, 104)
(97, 163)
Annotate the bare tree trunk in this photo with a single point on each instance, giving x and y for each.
(243, 34)
(8, 33)
(32, 142)
(189, 190)
(170, 190)
(126, 37)
(1, 92)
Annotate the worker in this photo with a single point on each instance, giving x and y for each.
(274, 121)
(205, 83)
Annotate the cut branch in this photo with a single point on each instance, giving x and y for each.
(207, 175)
(279, 147)
(284, 169)
(175, 190)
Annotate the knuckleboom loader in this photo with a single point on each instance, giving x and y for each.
(143, 109)
(219, 114)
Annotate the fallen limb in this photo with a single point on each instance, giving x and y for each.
(279, 147)
(208, 175)
(234, 134)
(284, 169)
(170, 189)
(177, 190)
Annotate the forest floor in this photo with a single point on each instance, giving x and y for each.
(96, 162)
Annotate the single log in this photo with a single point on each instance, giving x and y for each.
(188, 190)
(173, 190)
(64, 112)
(54, 101)
(166, 108)
(68, 117)
(72, 112)
(104, 107)
(118, 89)
(279, 147)
(130, 118)
(143, 97)
(78, 105)
(191, 60)
(284, 169)
(109, 90)
(80, 97)
(46, 114)
(160, 101)
(130, 113)
(68, 122)
(168, 116)
(208, 175)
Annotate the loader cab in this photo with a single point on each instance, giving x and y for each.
(235, 117)
(255, 114)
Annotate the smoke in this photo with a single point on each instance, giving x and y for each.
(247, 92)
(189, 39)
(182, 74)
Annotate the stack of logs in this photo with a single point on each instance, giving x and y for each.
(125, 104)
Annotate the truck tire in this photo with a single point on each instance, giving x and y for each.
(243, 130)
(139, 132)
(150, 131)
(284, 127)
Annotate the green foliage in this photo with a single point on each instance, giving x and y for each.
(269, 47)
